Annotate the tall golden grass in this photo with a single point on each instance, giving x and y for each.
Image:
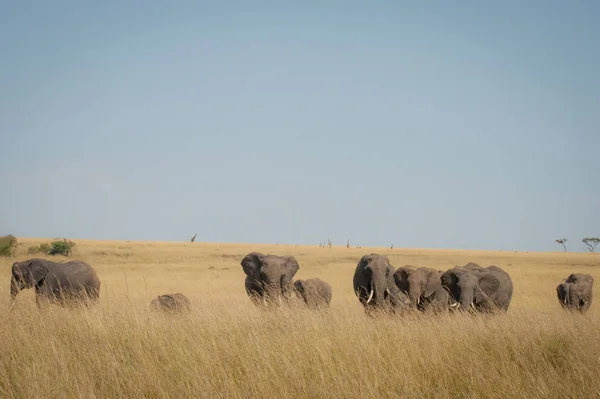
(229, 348)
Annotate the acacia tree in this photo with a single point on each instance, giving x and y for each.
(562, 241)
(591, 243)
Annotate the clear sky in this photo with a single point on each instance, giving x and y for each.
(432, 125)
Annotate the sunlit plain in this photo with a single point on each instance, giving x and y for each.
(227, 347)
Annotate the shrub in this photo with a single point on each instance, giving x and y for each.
(8, 244)
(61, 247)
(36, 249)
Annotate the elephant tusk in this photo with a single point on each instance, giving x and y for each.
(473, 306)
(454, 305)
(418, 300)
(370, 296)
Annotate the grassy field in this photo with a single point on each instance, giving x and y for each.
(228, 348)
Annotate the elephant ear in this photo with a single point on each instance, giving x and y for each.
(562, 292)
(488, 285)
(433, 283)
(252, 263)
(359, 281)
(449, 282)
(35, 270)
(292, 267)
(390, 269)
(401, 278)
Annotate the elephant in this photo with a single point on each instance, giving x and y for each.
(59, 283)
(575, 292)
(375, 287)
(423, 286)
(314, 291)
(171, 303)
(478, 288)
(269, 277)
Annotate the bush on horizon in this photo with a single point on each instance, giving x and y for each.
(56, 247)
(8, 244)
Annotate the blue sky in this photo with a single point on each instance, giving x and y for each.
(433, 125)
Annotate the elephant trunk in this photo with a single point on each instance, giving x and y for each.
(379, 287)
(414, 293)
(466, 299)
(575, 295)
(271, 288)
(14, 289)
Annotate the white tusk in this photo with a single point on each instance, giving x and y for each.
(418, 300)
(370, 296)
(473, 306)
(453, 305)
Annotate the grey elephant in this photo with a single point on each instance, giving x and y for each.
(171, 303)
(60, 283)
(269, 277)
(482, 289)
(375, 287)
(575, 292)
(423, 286)
(314, 292)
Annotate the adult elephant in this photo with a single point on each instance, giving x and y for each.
(575, 292)
(171, 303)
(314, 292)
(62, 283)
(482, 289)
(269, 277)
(423, 286)
(374, 284)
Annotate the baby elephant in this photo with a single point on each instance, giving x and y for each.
(575, 292)
(315, 292)
(171, 303)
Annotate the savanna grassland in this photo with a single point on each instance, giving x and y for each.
(229, 348)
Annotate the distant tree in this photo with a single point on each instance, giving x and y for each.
(61, 247)
(562, 241)
(591, 243)
(8, 245)
(329, 243)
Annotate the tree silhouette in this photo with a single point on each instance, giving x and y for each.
(591, 243)
(562, 241)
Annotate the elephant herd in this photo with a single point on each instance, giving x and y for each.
(470, 287)
(270, 280)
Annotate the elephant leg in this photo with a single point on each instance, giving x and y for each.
(41, 295)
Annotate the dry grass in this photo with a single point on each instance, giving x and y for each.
(229, 348)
